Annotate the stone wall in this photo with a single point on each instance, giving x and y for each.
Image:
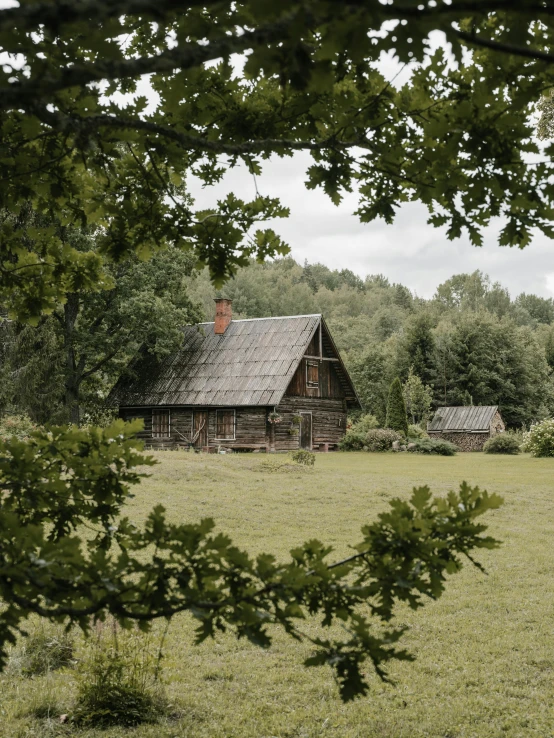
(464, 441)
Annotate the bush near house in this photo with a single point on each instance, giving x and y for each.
(380, 439)
(432, 446)
(539, 441)
(355, 437)
(376, 439)
(416, 431)
(504, 443)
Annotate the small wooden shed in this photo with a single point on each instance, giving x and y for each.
(275, 384)
(468, 427)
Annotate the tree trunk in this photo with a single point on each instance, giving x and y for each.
(72, 375)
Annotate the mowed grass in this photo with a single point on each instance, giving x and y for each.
(485, 650)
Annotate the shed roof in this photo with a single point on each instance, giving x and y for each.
(469, 418)
(250, 364)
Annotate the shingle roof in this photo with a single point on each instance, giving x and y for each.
(251, 364)
(471, 418)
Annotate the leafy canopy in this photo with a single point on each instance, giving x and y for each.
(239, 82)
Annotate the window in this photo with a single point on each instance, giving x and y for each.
(161, 424)
(312, 374)
(225, 424)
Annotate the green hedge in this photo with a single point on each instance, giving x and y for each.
(432, 446)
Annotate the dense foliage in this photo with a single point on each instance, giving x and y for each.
(539, 441)
(80, 143)
(480, 346)
(63, 368)
(503, 443)
(374, 439)
(473, 343)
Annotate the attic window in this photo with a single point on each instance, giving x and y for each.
(225, 423)
(161, 423)
(312, 374)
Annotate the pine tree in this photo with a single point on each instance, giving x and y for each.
(396, 409)
(418, 398)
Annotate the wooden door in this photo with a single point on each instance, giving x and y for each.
(306, 431)
(200, 428)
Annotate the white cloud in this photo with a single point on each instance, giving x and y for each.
(409, 251)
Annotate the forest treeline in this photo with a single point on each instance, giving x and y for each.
(471, 343)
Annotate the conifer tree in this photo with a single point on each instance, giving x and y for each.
(396, 409)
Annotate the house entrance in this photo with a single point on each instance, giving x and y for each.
(200, 428)
(306, 431)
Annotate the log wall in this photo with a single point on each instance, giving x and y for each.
(251, 427)
(329, 385)
(328, 421)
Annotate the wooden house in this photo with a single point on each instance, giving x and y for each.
(468, 427)
(269, 383)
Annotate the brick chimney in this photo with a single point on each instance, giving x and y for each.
(223, 315)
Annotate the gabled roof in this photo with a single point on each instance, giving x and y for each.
(252, 363)
(470, 418)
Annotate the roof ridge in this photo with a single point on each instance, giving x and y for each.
(271, 317)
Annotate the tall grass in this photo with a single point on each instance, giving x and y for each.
(119, 679)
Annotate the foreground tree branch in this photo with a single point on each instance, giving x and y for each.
(237, 84)
(62, 479)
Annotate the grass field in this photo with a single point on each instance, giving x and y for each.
(485, 651)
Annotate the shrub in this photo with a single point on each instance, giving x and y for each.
(380, 439)
(46, 649)
(396, 409)
(119, 684)
(352, 441)
(377, 439)
(307, 458)
(19, 426)
(539, 441)
(415, 431)
(432, 446)
(504, 443)
(365, 423)
(354, 438)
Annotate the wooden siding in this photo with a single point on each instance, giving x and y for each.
(251, 427)
(329, 384)
(328, 421)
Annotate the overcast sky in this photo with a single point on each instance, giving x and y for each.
(409, 251)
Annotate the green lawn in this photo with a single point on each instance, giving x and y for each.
(485, 651)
